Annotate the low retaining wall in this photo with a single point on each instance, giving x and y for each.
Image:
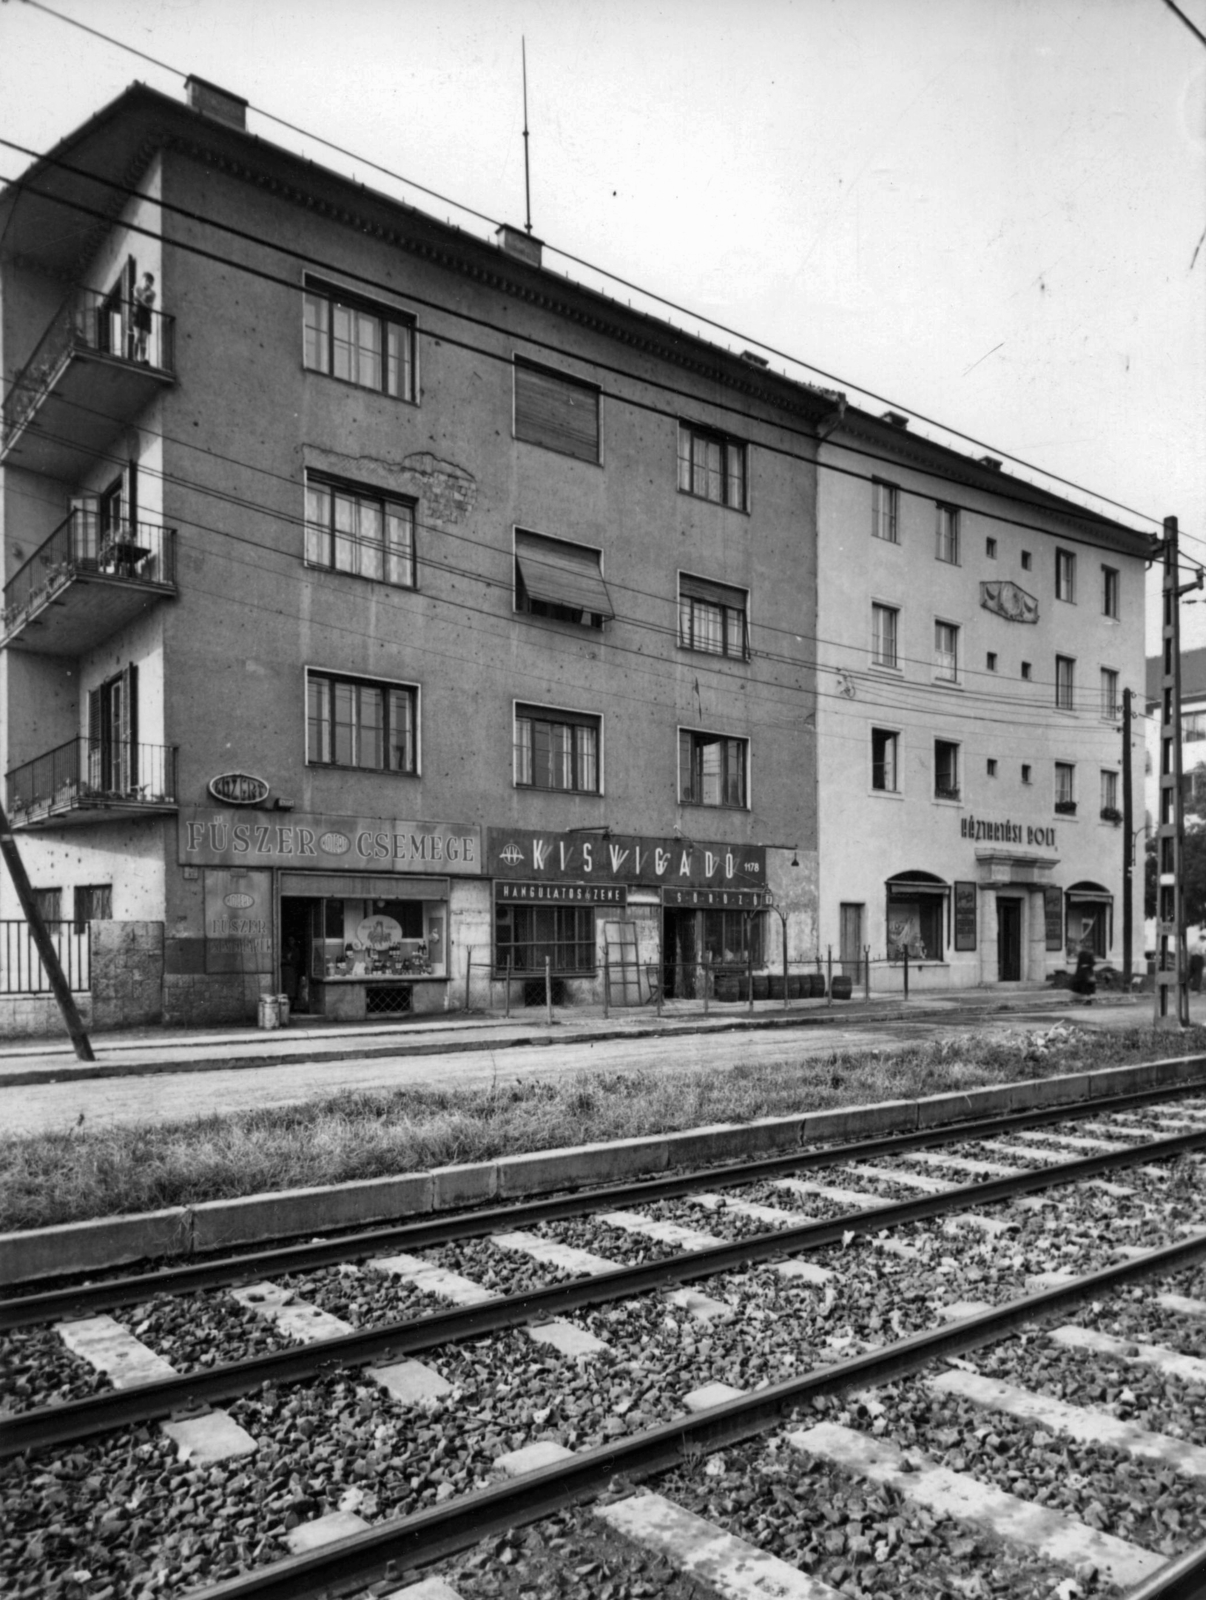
(37, 1016)
(223, 1224)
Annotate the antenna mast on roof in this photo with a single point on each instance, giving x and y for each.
(527, 175)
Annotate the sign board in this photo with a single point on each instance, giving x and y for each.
(979, 831)
(558, 894)
(238, 921)
(238, 789)
(222, 838)
(965, 916)
(622, 858)
(717, 899)
(1053, 912)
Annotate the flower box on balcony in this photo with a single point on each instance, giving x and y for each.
(943, 792)
(1111, 814)
(1065, 808)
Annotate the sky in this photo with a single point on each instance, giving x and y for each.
(986, 213)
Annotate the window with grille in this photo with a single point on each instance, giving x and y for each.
(885, 511)
(524, 936)
(1065, 787)
(556, 750)
(711, 466)
(947, 544)
(556, 411)
(354, 722)
(712, 618)
(1065, 575)
(711, 769)
(359, 530)
(1065, 683)
(946, 652)
(884, 626)
(1109, 592)
(359, 341)
(885, 747)
(946, 770)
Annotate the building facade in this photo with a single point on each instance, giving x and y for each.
(384, 614)
(975, 637)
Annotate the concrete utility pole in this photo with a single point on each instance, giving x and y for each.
(1128, 846)
(43, 941)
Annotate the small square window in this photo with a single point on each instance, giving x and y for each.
(1026, 778)
(1025, 561)
(991, 661)
(990, 549)
(1026, 669)
(992, 766)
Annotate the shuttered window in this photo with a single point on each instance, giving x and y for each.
(557, 412)
(554, 578)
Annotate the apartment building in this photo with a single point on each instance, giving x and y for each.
(384, 614)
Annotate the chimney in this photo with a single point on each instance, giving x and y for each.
(896, 418)
(993, 463)
(219, 104)
(523, 246)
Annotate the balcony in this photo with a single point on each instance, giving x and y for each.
(87, 780)
(91, 374)
(85, 582)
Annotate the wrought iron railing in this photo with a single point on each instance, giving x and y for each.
(91, 772)
(86, 543)
(103, 324)
(21, 969)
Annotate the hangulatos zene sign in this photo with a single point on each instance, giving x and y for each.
(346, 844)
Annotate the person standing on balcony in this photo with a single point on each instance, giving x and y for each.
(144, 299)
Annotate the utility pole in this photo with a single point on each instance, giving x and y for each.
(1128, 846)
(43, 941)
(1172, 1009)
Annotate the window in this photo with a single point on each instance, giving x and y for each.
(946, 652)
(360, 531)
(563, 581)
(990, 549)
(93, 903)
(1026, 670)
(352, 722)
(557, 412)
(990, 661)
(711, 769)
(556, 750)
(883, 635)
(1025, 561)
(734, 936)
(1193, 727)
(885, 747)
(885, 507)
(948, 535)
(1109, 797)
(370, 345)
(1065, 787)
(49, 904)
(1111, 710)
(712, 618)
(113, 747)
(1065, 576)
(946, 770)
(1026, 773)
(525, 935)
(992, 766)
(1109, 592)
(1065, 683)
(711, 466)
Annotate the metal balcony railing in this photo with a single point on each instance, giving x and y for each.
(96, 323)
(84, 544)
(91, 774)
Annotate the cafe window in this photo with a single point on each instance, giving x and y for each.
(358, 530)
(557, 750)
(525, 936)
(560, 580)
(736, 937)
(354, 722)
(362, 342)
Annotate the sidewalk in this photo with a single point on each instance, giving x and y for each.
(147, 1051)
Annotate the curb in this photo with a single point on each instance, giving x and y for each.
(217, 1225)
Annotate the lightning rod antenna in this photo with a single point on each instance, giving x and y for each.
(527, 174)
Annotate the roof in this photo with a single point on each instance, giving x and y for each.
(1193, 676)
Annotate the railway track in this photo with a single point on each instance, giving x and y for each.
(588, 1332)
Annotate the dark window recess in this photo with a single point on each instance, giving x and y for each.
(946, 770)
(93, 903)
(525, 935)
(712, 618)
(557, 412)
(884, 747)
(556, 579)
(711, 769)
(49, 903)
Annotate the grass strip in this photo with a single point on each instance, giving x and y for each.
(87, 1172)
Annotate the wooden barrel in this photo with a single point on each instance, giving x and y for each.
(816, 985)
(796, 986)
(775, 986)
(743, 987)
(761, 986)
(726, 988)
(842, 988)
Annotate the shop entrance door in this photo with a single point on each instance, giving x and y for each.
(680, 954)
(1009, 940)
(851, 947)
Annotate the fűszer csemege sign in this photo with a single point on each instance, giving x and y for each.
(315, 841)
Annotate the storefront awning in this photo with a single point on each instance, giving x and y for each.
(562, 574)
(902, 888)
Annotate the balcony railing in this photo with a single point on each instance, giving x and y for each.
(87, 776)
(85, 545)
(94, 323)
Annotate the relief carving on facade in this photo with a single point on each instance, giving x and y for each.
(1008, 601)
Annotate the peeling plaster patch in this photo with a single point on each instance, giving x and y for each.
(448, 492)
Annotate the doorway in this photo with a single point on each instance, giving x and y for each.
(679, 954)
(851, 930)
(1009, 940)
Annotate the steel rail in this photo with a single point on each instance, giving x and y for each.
(195, 1391)
(80, 1299)
(1183, 1578)
(387, 1551)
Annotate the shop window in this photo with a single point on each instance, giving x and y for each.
(711, 466)
(885, 748)
(885, 511)
(560, 580)
(916, 917)
(353, 722)
(557, 750)
(1109, 592)
(711, 769)
(1065, 576)
(557, 412)
(525, 936)
(946, 770)
(93, 903)
(712, 618)
(1090, 919)
(947, 537)
(358, 530)
(884, 629)
(734, 937)
(359, 341)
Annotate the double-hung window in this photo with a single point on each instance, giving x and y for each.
(712, 618)
(556, 411)
(884, 621)
(1110, 708)
(560, 580)
(712, 466)
(885, 747)
(1109, 797)
(1065, 576)
(359, 341)
(355, 722)
(885, 511)
(1109, 592)
(359, 530)
(711, 769)
(1065, 787)
(947, 536)
(1065, 683)
(946, 770)
(946, 652)
(556, 750)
